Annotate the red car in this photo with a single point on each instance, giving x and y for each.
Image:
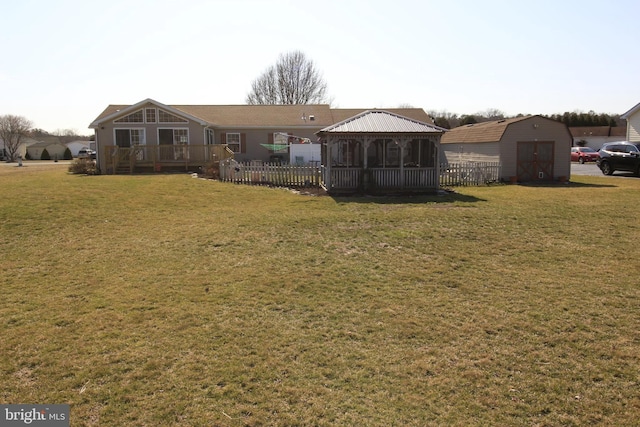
(584, 154)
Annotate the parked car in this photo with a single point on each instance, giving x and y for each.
(86, 153)
(584, 154)
(619, 156)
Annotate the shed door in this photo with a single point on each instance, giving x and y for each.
(535, 161)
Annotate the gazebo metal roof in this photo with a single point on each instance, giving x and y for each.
(380, 121)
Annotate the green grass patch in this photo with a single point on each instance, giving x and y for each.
(169, 300)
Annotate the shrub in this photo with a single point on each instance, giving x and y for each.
(83, 166)
(27, 156)
(67, 154)
(45, 155)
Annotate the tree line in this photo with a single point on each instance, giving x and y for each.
(448, 120)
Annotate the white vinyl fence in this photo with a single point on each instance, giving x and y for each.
(259, 173)
(469, 173)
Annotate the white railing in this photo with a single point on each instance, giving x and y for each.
(359, 179)
(346, 178)
(470, 173)
(259, 173)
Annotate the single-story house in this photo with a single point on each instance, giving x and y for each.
(55, 149)
(633, 123)
(529, 148)
(151, 136)
(595, 136)
(21, 151)
(76, 146)
(379, 151)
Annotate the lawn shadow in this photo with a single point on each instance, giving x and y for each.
(569, 184)
(442, 197)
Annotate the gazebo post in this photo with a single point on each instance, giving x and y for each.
(327, 178)
(365, 162)
(402, 142)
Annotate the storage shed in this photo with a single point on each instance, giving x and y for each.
(529, 148)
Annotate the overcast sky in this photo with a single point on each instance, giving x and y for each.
(63, 62)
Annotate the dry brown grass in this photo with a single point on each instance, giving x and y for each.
(168, 300)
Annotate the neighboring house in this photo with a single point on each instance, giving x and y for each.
(529, 148)
(55, 149)
(378, 151)
(150, 136)
(595, 136)
(76, 146)
(22, 149)
(633, 123)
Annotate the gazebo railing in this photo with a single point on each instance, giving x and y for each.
(345, 178)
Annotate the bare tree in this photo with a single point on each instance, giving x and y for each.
(294, 79)
(12, 130)
(66, 135)
(491, 114)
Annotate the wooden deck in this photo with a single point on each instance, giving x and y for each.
(159, 158)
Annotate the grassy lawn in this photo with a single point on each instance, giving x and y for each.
(169, 300)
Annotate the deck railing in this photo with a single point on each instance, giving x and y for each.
(155, 157)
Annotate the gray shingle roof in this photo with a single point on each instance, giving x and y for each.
(258, 116)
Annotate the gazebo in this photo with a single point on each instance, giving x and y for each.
(378, 152)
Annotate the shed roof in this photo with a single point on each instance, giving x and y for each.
(480, 132)
(381, 121)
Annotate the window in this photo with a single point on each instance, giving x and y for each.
(173, 136)
(129, 137)
(210, 136)
(181, 136)
(136, 117)
(164, 117)
(150, 115)
(234, 142)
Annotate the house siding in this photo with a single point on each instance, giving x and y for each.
(105, 133)
(536, 129)
(254, 137)
(633, 128)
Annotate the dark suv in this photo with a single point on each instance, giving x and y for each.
(619, 156)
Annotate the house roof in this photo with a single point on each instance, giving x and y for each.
(44, 144)
(587, 131)
(114, 111)
(480, 132)
(380, 121)
(255, 116)
(239, 116)
(631, 112)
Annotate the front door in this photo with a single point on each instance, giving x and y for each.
(535, 161)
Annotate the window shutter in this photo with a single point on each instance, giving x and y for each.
(270, 138)
(223, 137)
(243, 142)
